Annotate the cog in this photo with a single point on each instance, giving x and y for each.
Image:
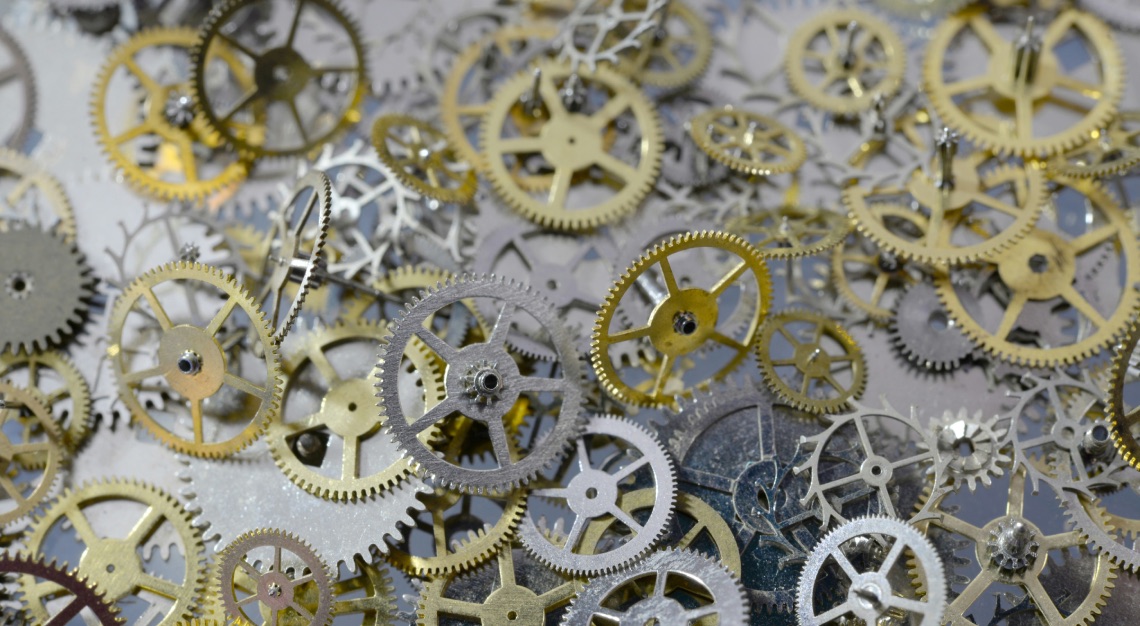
(678, 51)
(87, 600)
(1124, 418)
(36, 198)
(923, 332)
(32, 452)
(58, 385)
(970, 448)
(791, 231)
(261, 565)
(423, 159)
(872, 279)
(15, 136)
(747, 142)
(1112, 151)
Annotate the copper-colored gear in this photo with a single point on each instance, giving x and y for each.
(423, 159)
(85, 595)
(1123, 418)
(791, 231)
(276, 586)
(747, 142)
(811, 362)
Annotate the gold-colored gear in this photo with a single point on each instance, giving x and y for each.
(35, 193)
(270, 573)
(174, 175)
(1042, 267)
(811, 361)
(37, 451)
(251, 243)
(194, 360)
(345, 412)
(859, 257)
(62, 385)
(281, 76)
(862, 58)
(1110, 151)
(747, 142)
(1015, 91)
(678, 52)
(790, 231)
(958, 223)
(570, 144)
(684, 318)
(423, 159)
(1125, 420)
(118, 560)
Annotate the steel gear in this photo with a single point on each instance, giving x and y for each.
(33, 455)
(858, 261)
(46, 289)
(610, 454)
(35, 197)
(1124, 418)
(791, 231)
(923, 332)
(1042, 267)
(678, 51)
(205, 358)
(124, 565)
(423, 159)
(598, 32)
(86, 600)
(18, 75)
(747, 142)
(828, 370)
(1111, 151)
(873, 554)
(683, 317)
(1107, 532)
(674, 574)
(1023, 86)
(59, 386)
(843, 59)
(972, 449)
(164, 150)
(269, 118)
(255, 578)
(564, 124)
(507, 382)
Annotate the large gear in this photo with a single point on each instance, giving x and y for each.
(60, 387)
(971, 449)
(1108, 532)
(423, 159)
(565, 124)
(124, 564)
(1119, 13)
(747, 142)
(1123, 415)
(17, 73)
(86, 599)
(33, 455)
(923, 332)
(261, 565)
(46, 289)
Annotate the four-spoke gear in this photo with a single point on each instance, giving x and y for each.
(423, 159)
(253, 581)
(747, 142)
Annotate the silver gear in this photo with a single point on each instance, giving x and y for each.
(404, 428)
(1103, 530)
(721, 593)
(18, 69)
(874, 554)
(924, 333)
(596, 21)
(683, 163)
(971, 449)
(593, 492)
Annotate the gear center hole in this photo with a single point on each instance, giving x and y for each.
(1100, 432)
(591, 493)
(1038, 263)
(512, 615)
(938, 321)
(965, 448)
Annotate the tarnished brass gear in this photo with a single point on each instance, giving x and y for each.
(747, 142)
(116, 561)
(255, 566)
(683, 319)
(791, 231)
(38, 450)
(1109, 151)
(861, 58)
(1123, 418)
(36, 193)
(83, 593)
(56, 381)
(806, 378)
(423, 159)
(571, 141)
(859, 258)
(164, 127)
(677, 53)
(195, 358)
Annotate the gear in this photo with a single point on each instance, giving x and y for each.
(255, 566)
(923, 332)
(58, 385)
(509, 383)
(1111, 151)
(873, 571)
(32, 460)
(206, 361)
(124, 567)
(269, 118)
(563, 123)
(999, 108)
(971, 449)
(423, 159)
(1124, 417)
(86, 599)
(47, 286)
(678, 51)
(20, 70)
(610, 452)
(858, 261)
(828, 368)
(1110, 533)
(791, 231)
(683, 163)
(598, 32)
(164, 149)
(405, 283)
(861, 58)
(674, 574)
(1042, 267)
(747, 142)
(684, 315)
(36, 198)
(337, 451)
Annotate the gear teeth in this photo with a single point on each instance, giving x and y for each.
(323, 577)
(1123, 439)
(785, 391)
(31, 567)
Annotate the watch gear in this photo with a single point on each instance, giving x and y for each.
(33, 455)
(47, 286)
(423, 159)
(18, 75)
(683, 163)
(1111, 533)
(218, 365)
(869, 278)
(791, 231)
(1123, 416)
(842, 59)
(1110, 151)
(972, 449)
(592, 133)
(810, 362)
(748, 142)
(59, 386)
(598, 32)
(33, 197)
(678, 51)
(924, 333)
(265, 572)
(86, 601)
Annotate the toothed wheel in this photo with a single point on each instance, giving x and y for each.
(972, 449)
(810, 361)
(32, 452)
(923, 332)
(254, 579)
(86, 601)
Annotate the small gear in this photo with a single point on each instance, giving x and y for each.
(827, 368)
(1113, 534)
(423, 159)
(923, 332)
(678, 51)
(872, 279)
(861, 58)
(85, 597)
(1111, 151)
(683, 163)
(60, 387)
(47, 285)
(747, 142)
(971, 449)
(33, 454)
(791, 231)
(598, 32)
(255, 570)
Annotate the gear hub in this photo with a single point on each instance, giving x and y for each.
(1013, 544)
(483, 382)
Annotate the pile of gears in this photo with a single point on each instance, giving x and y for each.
(571, 312)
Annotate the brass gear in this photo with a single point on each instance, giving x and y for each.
(572, 143)
(58, 385)
(1123, 419)
(280, 76)
(423, 159)
(345, 412)
(1110, 151)
(195, 359)
(683, 320)
(747, 142)
(35, 193)
(858, 258)
(864, 62)
(276, 584)
(1042, 268)
(37, 451)
(791, 231)
(117, 564)
(1008, 127)
(677, 53)
(810, 361)
(962, 217)
(165, 114)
